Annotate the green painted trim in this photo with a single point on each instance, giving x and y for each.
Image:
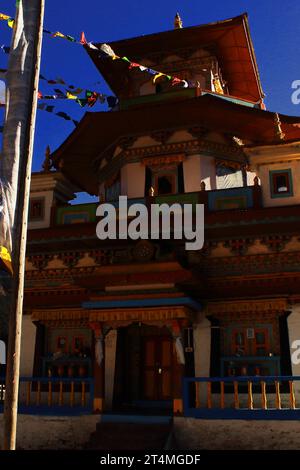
(157, 98)
(80, 209)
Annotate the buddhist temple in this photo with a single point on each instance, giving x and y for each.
(145, 326)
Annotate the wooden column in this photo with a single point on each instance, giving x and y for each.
(178, 372)
(99, 368)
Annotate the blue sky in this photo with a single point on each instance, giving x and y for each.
(274, 26)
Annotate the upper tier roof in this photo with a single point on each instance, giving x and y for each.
(97, 131)
(230, 39)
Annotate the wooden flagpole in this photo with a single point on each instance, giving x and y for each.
(23, 78)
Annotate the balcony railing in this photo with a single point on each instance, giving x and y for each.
(246, 397)
(247, 197)
(44, 395)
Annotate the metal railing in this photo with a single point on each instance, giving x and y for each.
(245, 397)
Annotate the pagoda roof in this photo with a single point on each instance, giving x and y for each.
(230, 39)
(99, 130)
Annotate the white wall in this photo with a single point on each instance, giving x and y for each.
(202, 348)
(45, 222)
(27, 346)
(2, 353)
(197, 168)
(293, 322)
(263, 173)
(110, 362)
(133, 180)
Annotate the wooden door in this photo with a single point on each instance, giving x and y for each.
(157, 368)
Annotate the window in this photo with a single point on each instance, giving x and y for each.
(250, 342)
(61, 344)
(281, 183)
(239, 345)
(78, 344)
(165, 184)
(36, 209)
(261, 346)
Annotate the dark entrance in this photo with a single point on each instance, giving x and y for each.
(143, 374)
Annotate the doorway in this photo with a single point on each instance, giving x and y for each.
(157, 368)
(143, 372)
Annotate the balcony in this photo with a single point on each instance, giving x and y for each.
(244, 397)
(53, 395)
(243, 198)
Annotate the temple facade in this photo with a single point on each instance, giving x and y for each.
(122, 324)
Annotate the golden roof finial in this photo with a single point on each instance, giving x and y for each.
(177, 21)
(279, 134)
(47, 165)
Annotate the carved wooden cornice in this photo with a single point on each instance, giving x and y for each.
(60, 314)
(112, 315)
(140, 314)
(162, 136)
(164, 162)
(60, 273)
(276, 242)
(276, 259)
(230, 164)
(40, 261)
(246, 306)
(239, 246)
(70, 258)
(101, 257)
(187, 147)
(256, 264)
(127, 141)
(198, 131)
(59, 291)
(190, 147)
(244, 286)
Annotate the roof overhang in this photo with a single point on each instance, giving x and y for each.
(96, 131)
(230, 39)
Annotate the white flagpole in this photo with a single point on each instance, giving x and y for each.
(22, 86)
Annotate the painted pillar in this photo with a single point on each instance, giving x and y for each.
(293, 322)
(99, 368)
(178, 368)
(110, 364)
(202, 350)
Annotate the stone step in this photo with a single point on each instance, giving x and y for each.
(129, 436)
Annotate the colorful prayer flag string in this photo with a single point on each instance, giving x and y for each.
(61, 114)
(72, 93)
(106, 51)
(89, 99)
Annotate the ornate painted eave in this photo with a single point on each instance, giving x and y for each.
(233, 154)
(111, 316)
(279, 305)
(98, 130)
